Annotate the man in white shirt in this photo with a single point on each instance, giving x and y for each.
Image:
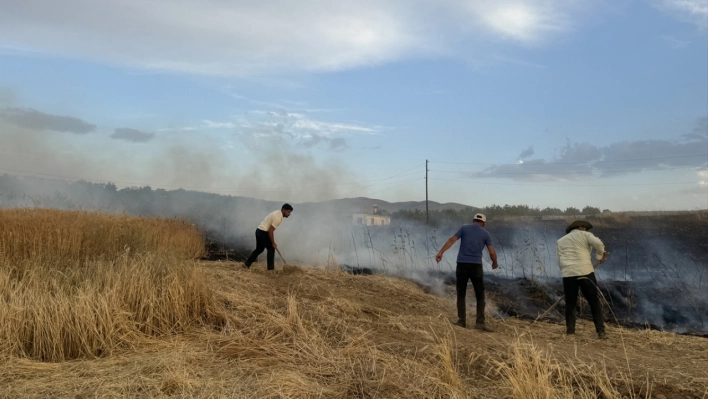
(265, 238)
(574, 253)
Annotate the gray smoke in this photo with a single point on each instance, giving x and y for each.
(284, 174)
(132, 135)
(32, 119)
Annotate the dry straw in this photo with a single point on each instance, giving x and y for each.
(535, 374)
(78, 284)
(57, 236)
(125, 298)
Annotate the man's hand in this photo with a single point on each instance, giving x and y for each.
(275, 246)
(604, 258)
(445, 247)
(495, 265)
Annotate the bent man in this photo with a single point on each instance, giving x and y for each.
(574, 253)
(265, 236)
(469, 267)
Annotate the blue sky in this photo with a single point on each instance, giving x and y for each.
(547, 103)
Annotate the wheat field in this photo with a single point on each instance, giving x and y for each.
(69, 236)
(80, 285)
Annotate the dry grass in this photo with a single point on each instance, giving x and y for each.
(142, 325)
(532, 373)
(305, 333)
(57, 236)
(92, 309)
(318, 354)
(76, 284)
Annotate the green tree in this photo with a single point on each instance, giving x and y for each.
(591, 210)
(571, 211)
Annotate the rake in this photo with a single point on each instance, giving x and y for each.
(544, 314)
(281, 256)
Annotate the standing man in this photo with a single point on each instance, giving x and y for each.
(264, 236)
(469, 266)
(574, 252)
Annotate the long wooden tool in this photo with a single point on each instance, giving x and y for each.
(560, 299)
(281, 256)
(549, 309)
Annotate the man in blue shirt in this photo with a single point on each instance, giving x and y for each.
(469, 266)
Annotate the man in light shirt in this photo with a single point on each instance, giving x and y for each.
(574, 253)
(265, 238)
(469, 267)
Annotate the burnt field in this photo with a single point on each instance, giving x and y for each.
(645, 247)
(630, 304)
(656, 276)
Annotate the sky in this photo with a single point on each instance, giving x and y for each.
(545, 103)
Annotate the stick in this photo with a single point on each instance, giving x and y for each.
(559, 300)
(281, 256)
(549, 309)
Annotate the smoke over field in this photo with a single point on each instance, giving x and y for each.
(657, 274)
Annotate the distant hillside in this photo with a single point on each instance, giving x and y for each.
(363, 204)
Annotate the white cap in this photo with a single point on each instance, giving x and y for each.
(481, 217)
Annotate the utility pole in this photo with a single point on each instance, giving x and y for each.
(427, 218)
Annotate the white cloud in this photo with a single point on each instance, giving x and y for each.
(297, 125)
(695, 11)
(219, 125)
(302, 122)
(260, 127)
(523, 21)
(703, 176)
(230, 37)
(176, 129)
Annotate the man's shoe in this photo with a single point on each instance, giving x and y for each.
(460, 323)
(483, 327)
(246, 265)
(602, 335)
(570, 333)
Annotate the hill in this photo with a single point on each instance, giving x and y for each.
(363, 204)
(304, 333)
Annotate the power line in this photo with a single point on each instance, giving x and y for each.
(407, 170)
(576, 163)
(401, 174)
(492, 173)
(396, 185)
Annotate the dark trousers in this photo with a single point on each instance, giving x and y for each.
(588, 286)
(464, 272)
(262, 242)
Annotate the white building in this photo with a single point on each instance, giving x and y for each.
(371, 219)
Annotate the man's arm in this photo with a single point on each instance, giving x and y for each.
(271, 230)
(493, 255)
(445, 247)
(600, 253)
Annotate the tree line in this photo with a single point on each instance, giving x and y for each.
(438, 217)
